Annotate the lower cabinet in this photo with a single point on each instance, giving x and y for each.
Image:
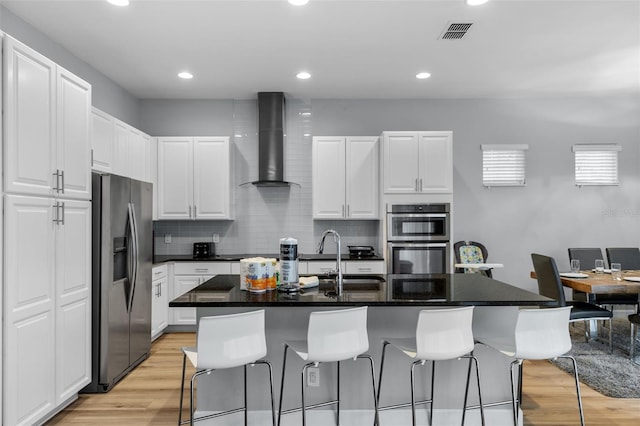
(47, 316)
(160, 301)
(187, 276)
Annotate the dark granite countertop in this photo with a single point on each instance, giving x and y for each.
(390, 290)
(237, 257)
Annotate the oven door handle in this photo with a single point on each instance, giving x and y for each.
(419, 215)
(405, 244)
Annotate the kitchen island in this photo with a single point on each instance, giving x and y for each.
(394, 302)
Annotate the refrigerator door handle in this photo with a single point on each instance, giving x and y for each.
(132, 256)
(134, 229)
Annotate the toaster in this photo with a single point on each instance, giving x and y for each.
(202, 250)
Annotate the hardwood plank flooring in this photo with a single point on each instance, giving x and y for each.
(150, 395)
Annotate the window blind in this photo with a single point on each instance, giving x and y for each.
(503, 165)
(596, 164)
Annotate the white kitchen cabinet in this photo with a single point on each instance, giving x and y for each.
(47, 306)
(103, 139)
(160, 301)
(120, 148)
(187, 276)
(47, 126)
(361, 267)
(417, 162)
(194, 178)
(345, 177)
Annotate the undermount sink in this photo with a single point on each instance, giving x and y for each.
(352, 282)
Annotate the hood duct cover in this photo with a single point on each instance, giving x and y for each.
(271, 128)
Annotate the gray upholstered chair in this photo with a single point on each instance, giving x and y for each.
(628, 257)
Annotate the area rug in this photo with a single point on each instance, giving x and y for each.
(612, 374)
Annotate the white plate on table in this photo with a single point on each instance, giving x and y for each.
(634, 279)
(573, 275)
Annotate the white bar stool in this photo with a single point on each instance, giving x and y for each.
(441, 334)
(539, 334)
(227, 341)
(332, 336)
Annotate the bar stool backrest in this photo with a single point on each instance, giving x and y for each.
(444, 333)
(542, 333)
(337, 335)
(226, 341)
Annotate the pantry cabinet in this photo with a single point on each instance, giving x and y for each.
(47, 126)
(194, 178)
(345, 177)
(47, 306)
(417, 162)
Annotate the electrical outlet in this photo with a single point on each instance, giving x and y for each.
(167, 238)
(313, 376)
(215, 238)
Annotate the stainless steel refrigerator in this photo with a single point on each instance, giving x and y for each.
(121, 289)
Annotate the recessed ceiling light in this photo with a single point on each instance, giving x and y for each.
(423, 75)
(298, 2)
(185, 75)
(476, 2)
(119, 2)
(303, 75)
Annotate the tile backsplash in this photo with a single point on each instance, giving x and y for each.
(263, 215)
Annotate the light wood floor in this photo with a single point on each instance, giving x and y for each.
(150, 395)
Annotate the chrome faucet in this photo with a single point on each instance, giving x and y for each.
(336, 239)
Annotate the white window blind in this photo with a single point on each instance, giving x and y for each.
(596, 164)
(503, 165)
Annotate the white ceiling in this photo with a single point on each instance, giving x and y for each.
(353, 48)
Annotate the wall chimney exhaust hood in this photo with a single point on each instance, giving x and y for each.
(271, 131)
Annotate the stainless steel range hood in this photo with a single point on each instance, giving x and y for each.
(271, 132)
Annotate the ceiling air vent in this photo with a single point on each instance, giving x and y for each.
(455, 31)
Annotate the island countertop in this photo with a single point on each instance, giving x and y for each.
(387, 290)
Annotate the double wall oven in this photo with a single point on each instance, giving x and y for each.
(418, 240)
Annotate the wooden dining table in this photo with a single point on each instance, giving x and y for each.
(602, 283)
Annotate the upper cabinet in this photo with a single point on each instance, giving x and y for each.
(194, 178)
(120, 148)
(418, 162)
(345, 177)
(47, 126)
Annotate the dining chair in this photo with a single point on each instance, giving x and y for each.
(441, 334)
(587, 258)
(539, 334)
(634, 319)
(226, 341)
(627, 257)
(471, 252)
(550, 285)
(332, 336)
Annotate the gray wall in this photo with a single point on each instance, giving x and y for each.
(107, 95)
(548, 215)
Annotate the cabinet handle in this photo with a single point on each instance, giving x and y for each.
(417, 184)
(195, 211)
(62, 189)
(364, 269)
(55, 212)
(420, 184)
(157, 273)
(159, 289)
(189, 212)
(348, 212)
(56, 186)
(202, 270)
(62, 220)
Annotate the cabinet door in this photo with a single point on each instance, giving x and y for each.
(29, 310)
(400, 162)
(175, 178)
(121, 150)
(328, 177)
(436, 162)
(73, 299)
(211, 178)
(29, 114)
(74, 135)
(362, 169)
(145, 157)
(182, 284)
(159, 306)
(102, 140)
